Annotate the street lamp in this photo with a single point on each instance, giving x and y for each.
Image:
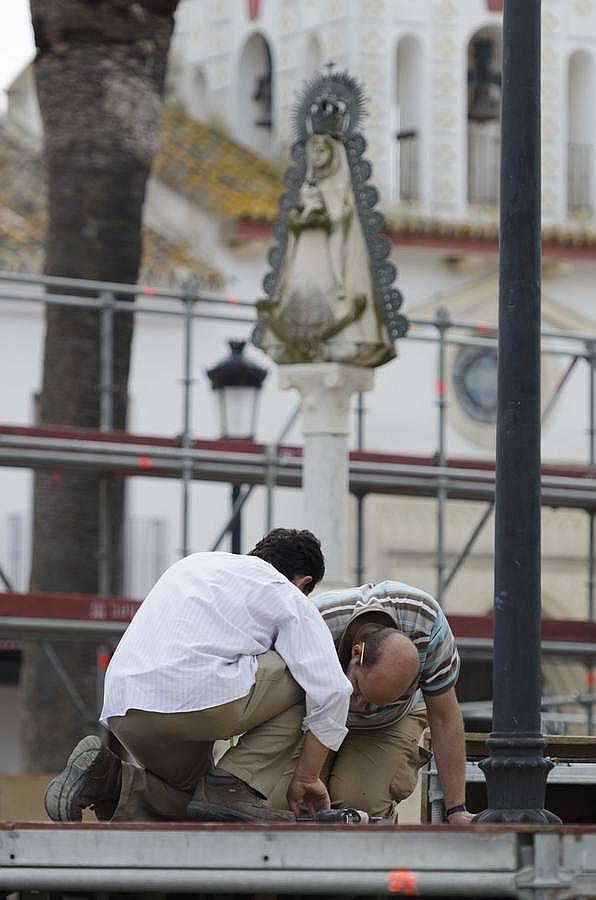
(516, 769)
(237, 382)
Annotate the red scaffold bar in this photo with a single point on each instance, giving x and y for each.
(41, 614)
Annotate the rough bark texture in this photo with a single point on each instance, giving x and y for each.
(100, 74)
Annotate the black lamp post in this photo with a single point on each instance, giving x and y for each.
(237, 382)
(516, 769)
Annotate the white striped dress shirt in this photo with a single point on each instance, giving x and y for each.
(195, 640)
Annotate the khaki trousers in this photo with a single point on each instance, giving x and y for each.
(374, 769)
(174, 750)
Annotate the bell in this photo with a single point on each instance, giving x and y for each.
(263, 89)
(262, 95)
(485, 103)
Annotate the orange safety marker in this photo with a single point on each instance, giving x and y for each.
(233, 300)
(402, 881)
(148, 291)
(103, 660)
(144, 462)
(441, 388)
(590, 678)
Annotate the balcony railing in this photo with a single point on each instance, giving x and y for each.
(407, 165)
(579, 178)
(483, 168)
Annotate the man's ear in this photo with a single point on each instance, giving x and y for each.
(303, 583)
(356, 648)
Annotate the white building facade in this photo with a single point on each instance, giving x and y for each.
(238, 65)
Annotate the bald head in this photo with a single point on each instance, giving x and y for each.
(384, 670)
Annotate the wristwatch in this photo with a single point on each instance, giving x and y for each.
(461, 807)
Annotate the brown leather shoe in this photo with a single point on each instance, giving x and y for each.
(225, 798)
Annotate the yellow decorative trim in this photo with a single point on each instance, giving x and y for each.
(214, 172)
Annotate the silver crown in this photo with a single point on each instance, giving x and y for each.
(330, 103)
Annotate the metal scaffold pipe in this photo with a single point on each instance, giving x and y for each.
(238, 881)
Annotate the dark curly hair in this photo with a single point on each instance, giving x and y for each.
(293, 553)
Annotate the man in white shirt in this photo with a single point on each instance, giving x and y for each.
(222, 645)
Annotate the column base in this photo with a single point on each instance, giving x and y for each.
(516, 773)
(516, 817)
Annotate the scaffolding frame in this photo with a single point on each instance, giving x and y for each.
(277, 860)
(77, 447)
(250, 463)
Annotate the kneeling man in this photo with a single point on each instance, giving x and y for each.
(397, 649)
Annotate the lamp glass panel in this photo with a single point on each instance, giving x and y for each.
(238, 411)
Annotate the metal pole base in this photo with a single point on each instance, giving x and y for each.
(516, 817)
(516, 773)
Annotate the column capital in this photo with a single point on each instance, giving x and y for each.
(326, 390)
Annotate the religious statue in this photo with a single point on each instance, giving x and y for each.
(330, 295)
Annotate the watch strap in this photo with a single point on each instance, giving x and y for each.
(461, 807)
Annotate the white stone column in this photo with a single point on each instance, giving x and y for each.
(326, 390)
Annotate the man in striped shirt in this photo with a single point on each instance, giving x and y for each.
(398, 651)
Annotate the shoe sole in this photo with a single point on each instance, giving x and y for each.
(201, 811)
(62, 790)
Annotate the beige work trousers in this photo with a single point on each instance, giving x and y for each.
(373, 770)
(174, 750)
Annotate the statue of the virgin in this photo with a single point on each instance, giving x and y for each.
(330, 291)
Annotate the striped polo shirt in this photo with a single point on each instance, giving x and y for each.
(415, 614)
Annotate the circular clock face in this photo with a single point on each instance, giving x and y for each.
(475, 382)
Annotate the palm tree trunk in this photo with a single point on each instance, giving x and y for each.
(100, 73)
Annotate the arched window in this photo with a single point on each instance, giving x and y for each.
(484, 104)
(313, 56)
(580, 134)
(255, 93)
(407, 121)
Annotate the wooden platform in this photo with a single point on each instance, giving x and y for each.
(564, 747)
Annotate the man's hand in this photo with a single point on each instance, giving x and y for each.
(306, 789)
(307, 793)
(460, 818)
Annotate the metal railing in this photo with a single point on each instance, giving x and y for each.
(483, 168)
(188, 306)
(407, 165)
(144, 556)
